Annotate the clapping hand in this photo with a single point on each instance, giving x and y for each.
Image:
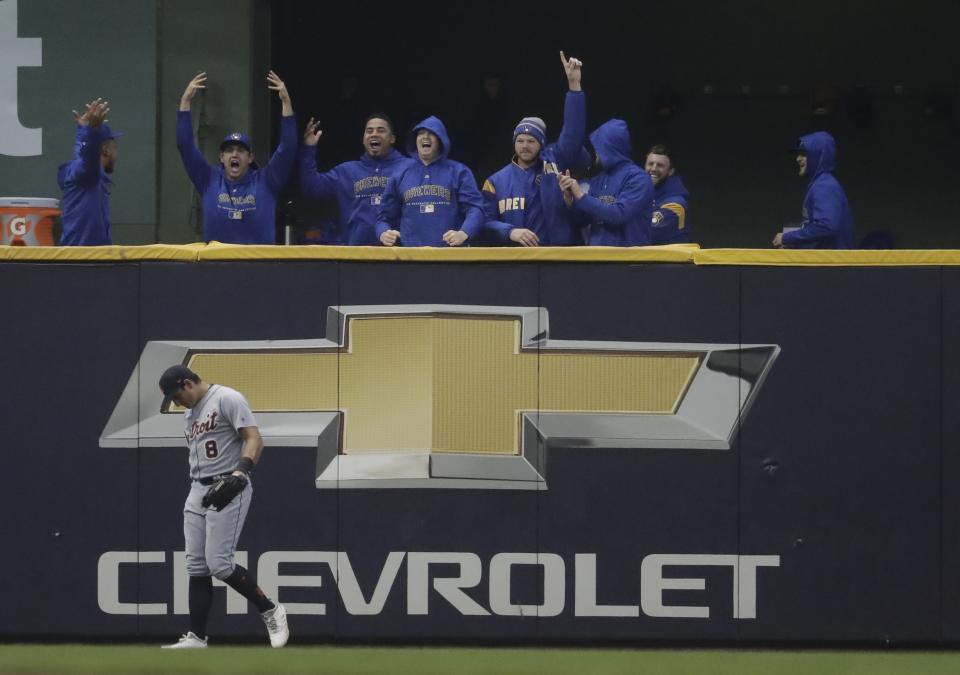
(95, 114)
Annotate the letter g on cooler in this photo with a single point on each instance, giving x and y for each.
(18, 226)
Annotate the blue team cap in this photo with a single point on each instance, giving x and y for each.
(109, 133)
(174, 378)
(236, 138)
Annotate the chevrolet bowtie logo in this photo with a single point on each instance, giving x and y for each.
(454, 396)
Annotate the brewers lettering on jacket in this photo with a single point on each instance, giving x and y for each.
(357, 185)
(239, 198)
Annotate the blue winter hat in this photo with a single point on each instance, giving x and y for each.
(533, 126)
(236, 138)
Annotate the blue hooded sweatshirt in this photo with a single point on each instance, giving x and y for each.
(243, 211)
(669, 222)
(531, 198)
(85, 209)
(425, 201)
(619, 204)
(827, 220)
(357, 185)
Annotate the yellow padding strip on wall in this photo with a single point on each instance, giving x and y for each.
(824, 258)
(676, 253)
(187, 252)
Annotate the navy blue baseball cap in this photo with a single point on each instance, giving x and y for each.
(174, 378)
(109, 133)
(236, 138)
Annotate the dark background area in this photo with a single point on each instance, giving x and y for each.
(741, 80)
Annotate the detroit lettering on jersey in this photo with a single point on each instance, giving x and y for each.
(197, 428)
(369, 182)
(212, 431)
(428, 191)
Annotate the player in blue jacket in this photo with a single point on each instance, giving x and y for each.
(434, 200)
(357, 185)
(239, 198)
(85, 180)
(618, 205)
(522, 201)
(668, 224)
(827, 220)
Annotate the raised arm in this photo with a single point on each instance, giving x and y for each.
(573, 69)
(196, 166)
(85, 166)
(198, 82)
(281, 164)
(313, 183)
(574, 131)
(274, 83)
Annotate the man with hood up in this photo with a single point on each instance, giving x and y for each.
(357, 185)
(522, 200)
(239, 198)
(618, 205)
(827, 221)
(85, 180)
(668, 224)
(434, 200)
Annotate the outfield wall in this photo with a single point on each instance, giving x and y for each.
(831, 515)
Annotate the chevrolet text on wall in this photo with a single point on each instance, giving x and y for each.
(425, 588)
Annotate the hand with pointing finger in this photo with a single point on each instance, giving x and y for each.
(573, 68)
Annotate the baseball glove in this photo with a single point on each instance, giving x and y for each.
(223, 491)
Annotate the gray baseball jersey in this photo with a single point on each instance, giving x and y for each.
(212, 429)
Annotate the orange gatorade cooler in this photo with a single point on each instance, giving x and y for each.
(29, 221)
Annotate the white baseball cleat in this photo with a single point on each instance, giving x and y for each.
(276, 620)
(188, 641)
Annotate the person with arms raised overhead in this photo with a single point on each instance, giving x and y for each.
(239, 198)
(522, 201)
(85, 180)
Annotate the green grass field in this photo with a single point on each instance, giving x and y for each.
(15, 659)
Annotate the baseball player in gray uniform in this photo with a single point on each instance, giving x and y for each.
(225, 445)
